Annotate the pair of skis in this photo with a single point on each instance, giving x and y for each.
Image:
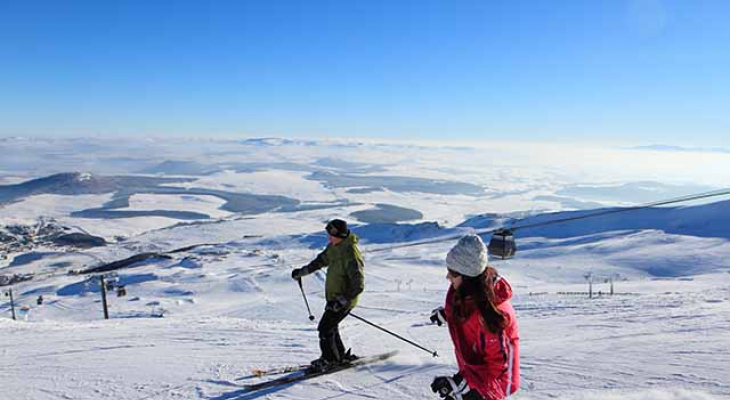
(298, 373)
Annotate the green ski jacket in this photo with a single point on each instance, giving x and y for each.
(345, 270)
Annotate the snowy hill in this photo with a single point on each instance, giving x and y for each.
(707, 220)
(78, 183)
(209, 299)
(662, 241)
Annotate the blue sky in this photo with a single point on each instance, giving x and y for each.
(635, 71)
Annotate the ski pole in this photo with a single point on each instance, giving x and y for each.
(433, 353)
(311, 317)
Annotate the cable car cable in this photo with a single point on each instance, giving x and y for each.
(682, 199)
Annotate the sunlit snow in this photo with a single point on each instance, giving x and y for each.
(194, 323)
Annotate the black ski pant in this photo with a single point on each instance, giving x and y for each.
(330, 342)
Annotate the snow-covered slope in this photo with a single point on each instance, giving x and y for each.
(214, 298)
(231, 307)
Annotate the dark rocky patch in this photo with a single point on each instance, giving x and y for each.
(135, 260)
(80, 240)
(100, 213)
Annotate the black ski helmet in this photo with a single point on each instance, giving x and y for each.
(337, 228)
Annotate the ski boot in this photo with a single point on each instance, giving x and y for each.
(320, 365)
(348, 357)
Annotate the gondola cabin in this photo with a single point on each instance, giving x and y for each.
(502, 244)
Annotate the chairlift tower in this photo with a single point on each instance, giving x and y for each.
(103, 296)
(589, 278)
(613, 277)
(12, 302)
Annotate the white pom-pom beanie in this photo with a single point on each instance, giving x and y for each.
(469, 256)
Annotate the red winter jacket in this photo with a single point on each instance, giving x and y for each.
(489, 362)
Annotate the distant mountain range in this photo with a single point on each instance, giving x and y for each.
(123, 187)
(77, 183)
(271, 141)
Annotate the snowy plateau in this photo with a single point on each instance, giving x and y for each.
(208, 232)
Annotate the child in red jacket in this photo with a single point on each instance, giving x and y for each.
(482, 325)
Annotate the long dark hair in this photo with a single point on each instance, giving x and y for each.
(480, 290)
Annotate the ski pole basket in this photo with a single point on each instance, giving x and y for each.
(503, 244)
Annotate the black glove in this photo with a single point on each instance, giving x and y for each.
(298, 273)
(450, 387)
(438, 316)
(441, 386)
(338, 304)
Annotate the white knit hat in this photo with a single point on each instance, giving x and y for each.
(469, 256)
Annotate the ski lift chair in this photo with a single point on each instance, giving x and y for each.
(502, 244)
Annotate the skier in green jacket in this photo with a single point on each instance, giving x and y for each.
(345, 281)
